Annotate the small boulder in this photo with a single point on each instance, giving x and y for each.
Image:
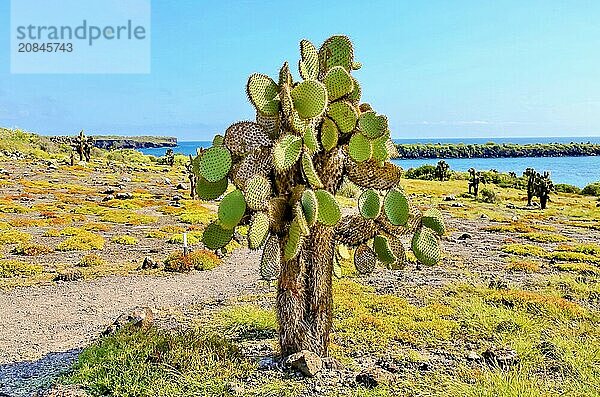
(306, 362)
(450, 198)
(501, 357)
(138, 318)
(473, 357)
(167, 181)
(123, 196)
(149, 263)
(181, 186)
(374, 376)
(69, 275)
(457, 205)
(465, 236)
(108, 197)
(177, 198)
(126, 179)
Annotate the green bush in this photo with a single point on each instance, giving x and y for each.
(489, 196)
(566, 188)
(593, 189)
(424, 172)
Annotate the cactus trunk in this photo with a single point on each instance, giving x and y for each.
(304, 298)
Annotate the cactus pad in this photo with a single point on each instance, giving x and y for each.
(258, 230)
(329, 134)
(270, 261)
(372, 125)
(426, 247)
(338, 82)
(344, 115)
(359, 148)
(310, 140)
(285, 77)
(309, 172)
(396, 208)
(215, 163)
(380, 150)
(287, 104)
(383, 250)
(369, 174)
(310, 206)
(433, 219)
(286, 152)
(294, 241)
(329, 212)
(354, 96)
(310, 98)
(245, 136)
(299, 216)
(364, 259)
(210, 190)
(215, 236)
(343, 252)
(309, 62)
(257, 192)
(399, 252)
(262, 92)
(369, 204)
(232, 209)
(217, 140)
(336, 269)
(336, 51)
(258, 162)
(354, 230)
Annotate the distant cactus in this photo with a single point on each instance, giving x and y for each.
(286, 168)
(442, 171)
(169, 158)
(191, 176)
(474, 180)
(83, 146)
(531, 175)
(539, 186)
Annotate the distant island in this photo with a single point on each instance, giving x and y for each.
(125, 142)
(495, 150)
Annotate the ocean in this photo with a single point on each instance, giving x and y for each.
(578, 171)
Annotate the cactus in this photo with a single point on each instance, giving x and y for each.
(474, 179)
(543, 188)
(442, 171)
(82, 146)
(530, 174)
(189, 168)
(287, 167)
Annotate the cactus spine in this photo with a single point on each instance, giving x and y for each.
(286, 167)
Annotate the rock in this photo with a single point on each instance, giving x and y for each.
(332, 364)
(125, 179)
(374, 376)
(511, 206)
(167, 181)
(123, 196)
(484, 216)
(450, 198)
(108, 198)
(62, 391)
(149, 263)
(69, 275)
(267, 364)
(458, 205)
(109, 191)
(514, 218)
(181, 186)
(177, 198)
(465, 236)
(138, 318)
(473, 356)
(501, 357)
(53, 167)
(305, 361)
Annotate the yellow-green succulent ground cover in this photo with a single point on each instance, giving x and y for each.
(512, 278)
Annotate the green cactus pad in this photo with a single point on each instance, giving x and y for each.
(215, 236)
(380, 150)
(336, 51)
(217, 140)
(356, 93)
(299, 216)
(285, 77)
(270, 261)
(359, 148)
(364, 259)
(310, 206)
(215, 163)
(329, 212)
(287, 104)
(262, 92)
(433, 219)
(372, 124)
(294, 241)
(383, 250)
(337, 269)
(369, 204)
(344, 115)
(310, 140)
(426, 247)
(232, 209)
(396, 208)
(329, 134)
(310, 98)
(298, 124)
(245, 136)
(309, 172)
(399, 252)
(258, 230)
(338, 82)
(257, 192)
(309, 61)
(286, 152)
(343, 252)
(210, 190)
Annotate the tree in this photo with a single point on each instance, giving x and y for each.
(286, 168)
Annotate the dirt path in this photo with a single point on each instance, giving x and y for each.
(42, 328)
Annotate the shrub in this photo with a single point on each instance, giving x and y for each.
(593, 189)
(565, 188)
(522, 265)
(489, 196)
(128, 217)
(192, 238)
(14, 237)
(12, 268)
(124, 240)
(32, 249)
(90, 260)
(424, 172)
(198, 260)
(82, 242)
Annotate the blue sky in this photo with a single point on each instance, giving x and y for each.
(436, 68)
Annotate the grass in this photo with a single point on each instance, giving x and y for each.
(523, 265)
(195, 260)
(14, 237)
(32, 249)
(83, 241)
(546, 237)
(13, 268)
(124, 240)
(247, 321)
(91, 260)
(127, 217)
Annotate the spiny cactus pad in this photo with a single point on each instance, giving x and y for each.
(338, 82)
(215, 236)
(246, 136)
(310, 206)
(294, 241)
(433, 219)
(369, 204)
(232, 209)
(337, 269)
(257, 192)
(369, 174)
(372, 125)
(309, 172)
(215, 163)
(399, 252)
(258, 230)
(262, 92)
(426, 247)
(380, 150)
(270, 261)
(383, 250)
(364, 259)
(343, 252)
(210, 190)
(329, 212)
(329, 134)
(336, 51)
(396, 207)
(309, 61)
(359, 148)
(286, 152)
(310, 98)
(310, 140)
(343, 114)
